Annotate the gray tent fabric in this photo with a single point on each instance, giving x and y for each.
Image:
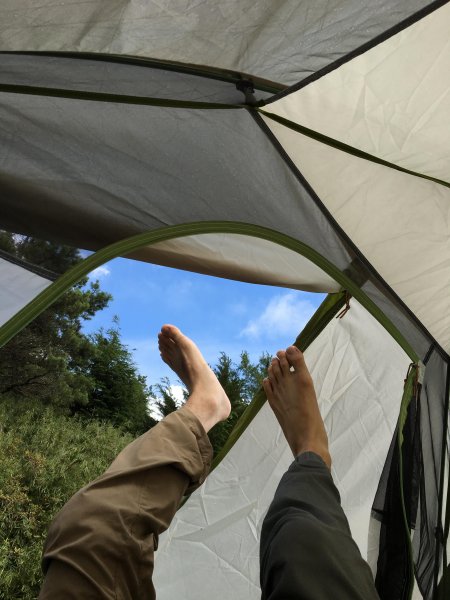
(284, 42)
(172, 166)
(97, 146)
(218, 161)
(133, 77)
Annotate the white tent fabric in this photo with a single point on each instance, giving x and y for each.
(211, 548)
(18, 287)
(391, 101)
(241, 258)
(384, 213)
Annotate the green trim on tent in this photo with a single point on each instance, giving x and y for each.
(329, 141)
(444, 584)
(128, 245)
(445, 529)
(225, 75)
(320, 319)
(192, 105)
(409, 392)
(32, 90)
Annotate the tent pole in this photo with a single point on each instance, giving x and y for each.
(440, 533)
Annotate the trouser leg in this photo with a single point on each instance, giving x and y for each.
(307, 551)
(100, 545)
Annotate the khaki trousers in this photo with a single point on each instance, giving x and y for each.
(101, 544)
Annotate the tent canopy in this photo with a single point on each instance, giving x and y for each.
(295, 144)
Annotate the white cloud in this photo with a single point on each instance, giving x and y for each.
(177, 391)
(100, 272)
(285, 314)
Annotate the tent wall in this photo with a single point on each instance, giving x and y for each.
(392, 103)
(20, 283)
(392, 100)
(212, 545)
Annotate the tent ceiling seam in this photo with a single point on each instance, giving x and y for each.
(112, 98)
(225, 75)
(376, 41)
(189, 104)
(338, 145)
(346, 240)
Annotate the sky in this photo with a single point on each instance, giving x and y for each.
(218, 314)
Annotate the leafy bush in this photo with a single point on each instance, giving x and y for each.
(44, 458)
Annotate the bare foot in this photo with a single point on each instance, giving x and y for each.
(291, 395)
(207, 399)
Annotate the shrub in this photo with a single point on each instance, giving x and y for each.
(44, 459)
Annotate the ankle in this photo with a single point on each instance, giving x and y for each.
(205, 411)
(319, 449)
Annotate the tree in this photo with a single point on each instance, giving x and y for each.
(119, 394)
(47, 359)
(253, 374)
(163, 398)
(240, 381)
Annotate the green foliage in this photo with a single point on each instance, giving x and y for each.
(240, 381)
(54, 257)
(53, 362)
(7, 242)
(119, 394)
(67, 401)
(163, 398)
(44, 459)
(47, 360)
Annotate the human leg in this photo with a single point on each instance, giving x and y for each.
(307, 551)
(101, 544)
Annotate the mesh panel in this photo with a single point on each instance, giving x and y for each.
(422, 453)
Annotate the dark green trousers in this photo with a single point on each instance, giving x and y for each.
(307, 551)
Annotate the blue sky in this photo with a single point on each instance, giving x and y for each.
(220, 315)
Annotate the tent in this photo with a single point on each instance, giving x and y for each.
(298, 144)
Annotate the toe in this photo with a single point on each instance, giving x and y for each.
(276, 369)
(165, 343)
(271, 374)
(267, 385)
(172, 332)
(284, 365)
(295, 357)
